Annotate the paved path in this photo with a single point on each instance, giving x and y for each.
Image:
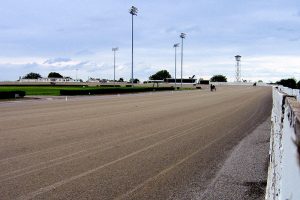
(244, 173)
(167, 145)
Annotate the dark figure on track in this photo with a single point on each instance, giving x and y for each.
(254, 84)
(212, 87)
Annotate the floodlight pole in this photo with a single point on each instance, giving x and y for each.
(182, 36)
(175, 47)
(133, 11)
(76, 74)
(132, 50)
(114, 50)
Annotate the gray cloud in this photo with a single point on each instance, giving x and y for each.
(296, 39)
(5, 27)
(57, 60)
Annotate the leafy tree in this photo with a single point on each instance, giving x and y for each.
(54, 75)
(290, 82)
(134, 80)
(121, 80)
(32, 75)
(218, 78)
(160, 75)
(298, 85)
(260, 81)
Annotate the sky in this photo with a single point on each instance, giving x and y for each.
(77, 36)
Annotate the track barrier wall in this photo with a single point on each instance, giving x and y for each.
(284, 167)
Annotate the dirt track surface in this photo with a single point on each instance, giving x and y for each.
(166, 145)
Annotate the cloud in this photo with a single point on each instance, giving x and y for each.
(84, 52)
(5, 27)
(285, 29)
(266, 68)
(171, 30)
(295, 39)
(57, 60)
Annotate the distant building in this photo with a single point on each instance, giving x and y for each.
(50, 80)
(203, 82)
(93, 80)
(172, 80)
(178, 80)
(154, 81)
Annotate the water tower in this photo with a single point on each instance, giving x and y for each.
(238, 68)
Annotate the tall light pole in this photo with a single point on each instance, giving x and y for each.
(182, 36)
(133, 11)
(175, 47)
(114, 50)
(76, 74)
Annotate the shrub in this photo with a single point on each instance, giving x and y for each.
(12, 94)
(112, 91)
(110, 86)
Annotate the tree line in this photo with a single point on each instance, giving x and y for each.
(33, 75)
(160, 75)
(290, 83)
(163, 74)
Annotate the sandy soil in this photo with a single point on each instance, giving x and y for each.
(166, 145)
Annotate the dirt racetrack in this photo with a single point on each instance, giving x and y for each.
(166, 145)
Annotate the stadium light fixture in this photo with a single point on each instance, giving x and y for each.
(182, 36)
(114, 50)
(175, 47)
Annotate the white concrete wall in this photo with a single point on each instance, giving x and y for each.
(289, 91)
(284, 170)
(239, 83)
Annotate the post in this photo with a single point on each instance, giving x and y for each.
(114, 68)
(182, 35)
(175, 65)
(181, 59)
(133, 11)
(114, 50)
(76, 74)
(175, 46)
(132, 50)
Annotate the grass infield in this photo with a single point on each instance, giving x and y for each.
(78, 90)
(41, 90)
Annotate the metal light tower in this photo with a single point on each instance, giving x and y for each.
(175, 47)
(133, 11)
(114, 50)
(182, 36)
(238, 68)
(76, 74)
